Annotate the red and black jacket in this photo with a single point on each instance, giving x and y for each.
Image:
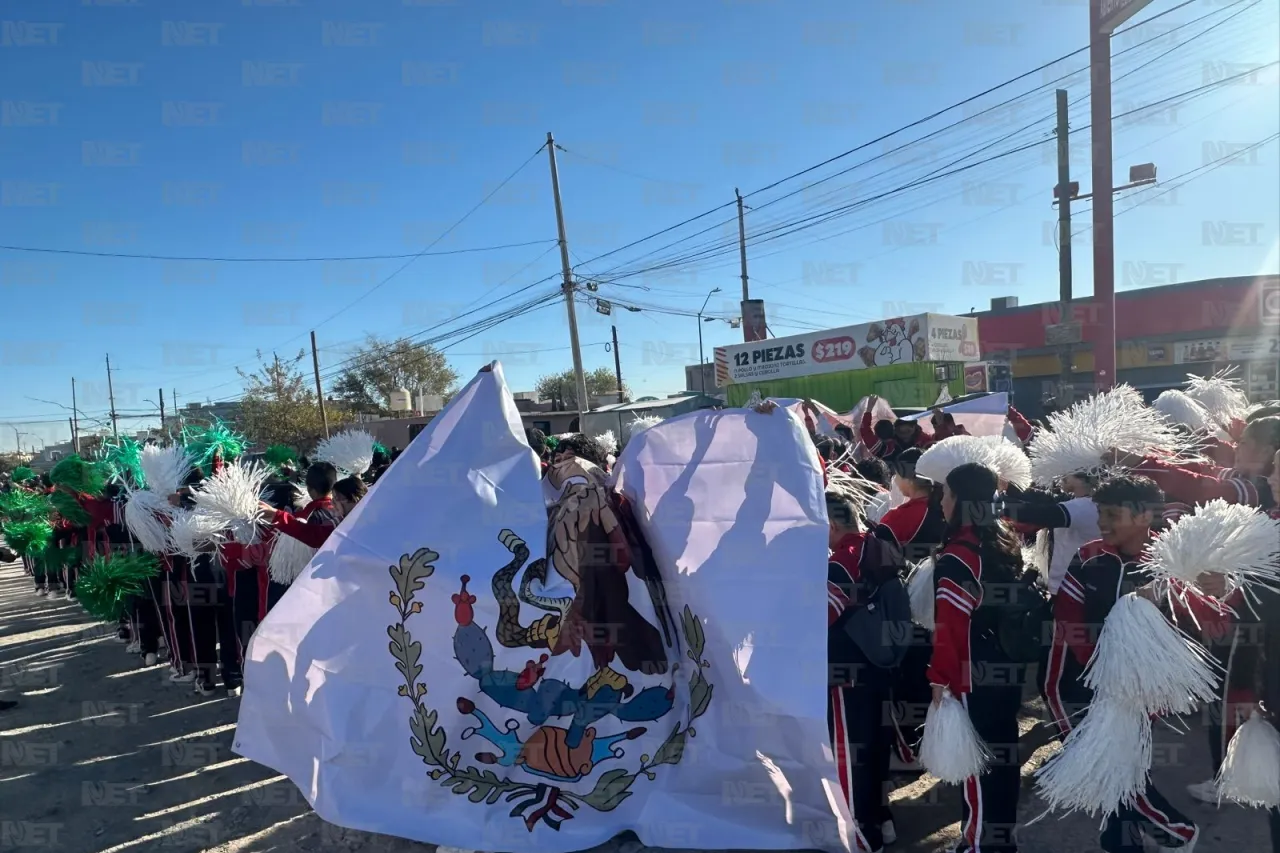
(915, 528)
(312, 526)
(958, 593)
(1021, 425)
(1094, 582)
(890, 448)
(1188, 488)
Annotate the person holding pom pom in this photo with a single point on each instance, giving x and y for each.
(979, 555)
(1102, 572)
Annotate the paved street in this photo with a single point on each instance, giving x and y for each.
(105, 756)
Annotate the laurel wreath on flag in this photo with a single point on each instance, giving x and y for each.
(430, 742)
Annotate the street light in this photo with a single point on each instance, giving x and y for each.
(702, 373)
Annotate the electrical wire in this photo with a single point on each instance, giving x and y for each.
(728, 244)
(225, 260)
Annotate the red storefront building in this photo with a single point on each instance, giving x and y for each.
(1162, 334)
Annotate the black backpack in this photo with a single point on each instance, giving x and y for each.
(881, 623)
(1021, 615)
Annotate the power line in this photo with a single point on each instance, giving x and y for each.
(729, 243)
(242, 260)
(409, 262)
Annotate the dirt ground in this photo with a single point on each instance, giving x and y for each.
(104, 755)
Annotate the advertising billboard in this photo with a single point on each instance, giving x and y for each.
(922, 337)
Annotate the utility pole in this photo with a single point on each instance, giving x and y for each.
(161, 410)
(617, 362)
(1104, 248)
(111, 395)
(177, 412)
(75, 419)
(742, 244)
(579, 377)
(315, 364)
(1065, 390)
(742, 262)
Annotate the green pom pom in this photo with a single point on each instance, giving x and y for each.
(278, 455)
(22, 473)
(28, 538)
(104, 587)
(379, 447)
(123, 460)
(69, 508)
(21, 505)
(82, 477)
(552, 442)
(203, 443)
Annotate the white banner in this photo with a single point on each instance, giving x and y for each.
(987, 415)
(407, 688)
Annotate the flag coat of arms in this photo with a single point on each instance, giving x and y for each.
(485, 659)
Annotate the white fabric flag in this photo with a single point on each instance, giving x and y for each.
(986, 415)
(411, 681)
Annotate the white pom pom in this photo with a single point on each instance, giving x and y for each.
(350, 451)
(877, 505)
(608, 442)
(1079, 438)
(230, 499)
(164, 468)
(1178, 408)
(1230, 539)
(641, 424)
(144, 515)
(1144, 658)
(288, 558)
(1104, 762)
(189, 531)
(951, 748)
(995, 452)
(921, 593)
(1250, 772)
(1220, 394)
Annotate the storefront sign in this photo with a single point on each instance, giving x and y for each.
(923, 337)
(1265, 348)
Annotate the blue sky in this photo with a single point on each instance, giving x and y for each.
(319, 129)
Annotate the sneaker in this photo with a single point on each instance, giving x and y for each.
(148, 660)
(183, 678)
(235, 691)
(42, 592)
(205, 689)
(134, 648)
(1205, 792)
(889, 832)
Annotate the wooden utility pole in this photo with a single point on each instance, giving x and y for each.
(162, 410)
(1065, 390)
(580, 379)
(75, 419)
(617, 363)
(177, 413)
(315, 364)
(111, 395)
